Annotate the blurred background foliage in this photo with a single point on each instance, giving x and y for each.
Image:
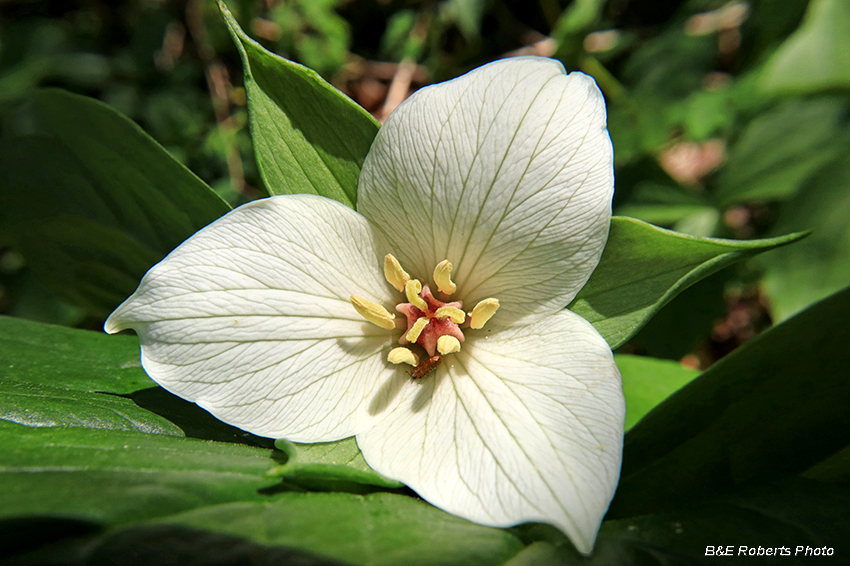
(729, 118)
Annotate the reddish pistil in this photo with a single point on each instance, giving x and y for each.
(436, 326)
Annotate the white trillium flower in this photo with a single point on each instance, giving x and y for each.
(483, 207)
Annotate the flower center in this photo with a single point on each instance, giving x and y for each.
(434, 325)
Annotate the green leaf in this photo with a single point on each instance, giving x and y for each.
(75, 360)
(42, 406)
(144, 545)
(783, 147)
(817, 56)
(793, 514)
(661, 204)
(293, 528)
(647, 382)
(92, 201)
(644, 266)
(116, 477)
(693, 313)
(375, 529)
(55, 376)
(339, 461)
(773, 408)
(798, 276)
(308, 136)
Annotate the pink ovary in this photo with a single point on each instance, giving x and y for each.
(436, 326)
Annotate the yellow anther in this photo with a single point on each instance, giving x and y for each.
(416, 330)
(412, 289)
(454, 313)
(443, 277)
(396, 276)
(483, 312)
(447, 344)
(373, 312)
(402, 356)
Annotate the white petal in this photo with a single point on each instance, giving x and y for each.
(250, 318)
(507, 172)
(524, 426)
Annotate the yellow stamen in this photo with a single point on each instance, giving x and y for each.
(483, 312)
(373, 312)
(454, 313)
(396, 276)
(416, 330)
(443, 277)
(447, 344)
(412, 289)
(402, 356)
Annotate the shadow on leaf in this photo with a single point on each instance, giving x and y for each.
(193, 420)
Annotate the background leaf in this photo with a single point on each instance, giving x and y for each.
(91, 201)
(643, 267)
(782, 147)
(793, 514)
(801, 274)
(647, 382)
(817, 56)
(771, 409)
(308, 136)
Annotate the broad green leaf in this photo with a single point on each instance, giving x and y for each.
(308, 136)
(809, 271)
(75, 360)
(781, 148)
(293, 528)
(42, 406)
(339, 461)
(114, 477)
(56, 376)
(92, 201)
(375, 529)
(647, 382)
(773, 408)
(817, 56)
(644, 266)
(793, 514)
